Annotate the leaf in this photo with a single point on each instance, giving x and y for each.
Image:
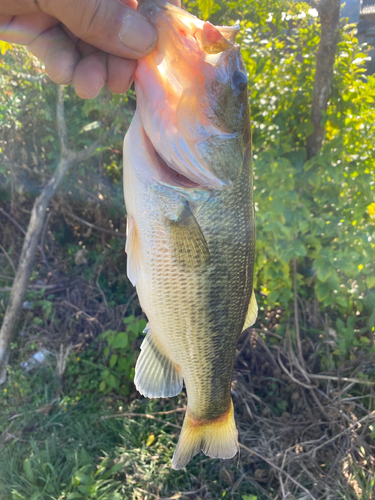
(151, 439)
(113, 381)
(116, 468)
(324, 271)
(121, 341)
(90, 126)
(322, 291)
(206, 7)
(128, 319)
(4, 47)
(113, 360)
(370, 281)
(28, 470)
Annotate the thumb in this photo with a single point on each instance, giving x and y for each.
(114, 27)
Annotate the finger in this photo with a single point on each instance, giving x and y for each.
(25, 29)
(58, 53)
(120, 73)
(90, 75)
(175, 2)
(19, 7)
(109, 25)
(85, 49)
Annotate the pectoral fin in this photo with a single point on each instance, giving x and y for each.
(188, 243)
(155, 374)
(132, 249)
(251, 313)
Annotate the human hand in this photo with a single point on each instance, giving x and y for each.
(88, 43)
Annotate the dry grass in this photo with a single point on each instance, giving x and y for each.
(311, 436)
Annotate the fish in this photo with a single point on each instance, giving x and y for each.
(190, 221)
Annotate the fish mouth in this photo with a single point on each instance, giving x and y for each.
(175, 102)
(161, 172)
(172, 178)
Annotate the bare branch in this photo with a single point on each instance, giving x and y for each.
(61, 123)
(68, 159)
(271, 464)
(93, 226)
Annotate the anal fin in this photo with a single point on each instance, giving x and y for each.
(252, 312)
(155, 374)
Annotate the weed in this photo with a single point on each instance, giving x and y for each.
(119, 356)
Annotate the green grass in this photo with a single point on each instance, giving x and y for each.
(60, 446)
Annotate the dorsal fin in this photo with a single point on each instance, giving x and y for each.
(213, 41)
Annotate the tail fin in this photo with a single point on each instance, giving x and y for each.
(216, 438)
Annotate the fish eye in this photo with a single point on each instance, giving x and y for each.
(240, 80)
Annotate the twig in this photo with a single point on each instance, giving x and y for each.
(145, 415)
(367, 417)
(290, 374)
(148, 493)
(8, 258)
(296, 319)
(341, 379)
(36, 287)
(132, 296)
(271, 464)
(13, 220)
(169, 412)
(6, 277)
(90, 318)
(41, 246)
(320, 406)
(93, 226)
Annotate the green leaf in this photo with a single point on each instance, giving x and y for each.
(364, 340)
(121, 341)
(113, 381)
(324, 271)
(28, 470)
(370, 281)
(113, 360)
(322, 291)
(206, 7)
(128, 319)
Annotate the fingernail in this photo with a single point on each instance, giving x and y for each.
(137, 33)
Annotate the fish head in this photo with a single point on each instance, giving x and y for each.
(193, 96)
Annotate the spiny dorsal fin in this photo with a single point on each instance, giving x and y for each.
(251, 313)
(155, 374)
(188, 243)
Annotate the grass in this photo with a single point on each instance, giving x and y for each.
(64, 438)
(60, 446)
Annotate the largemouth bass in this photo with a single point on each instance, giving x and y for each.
(191, 235)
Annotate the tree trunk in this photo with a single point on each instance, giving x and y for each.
(329, 13)
(68, 158)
